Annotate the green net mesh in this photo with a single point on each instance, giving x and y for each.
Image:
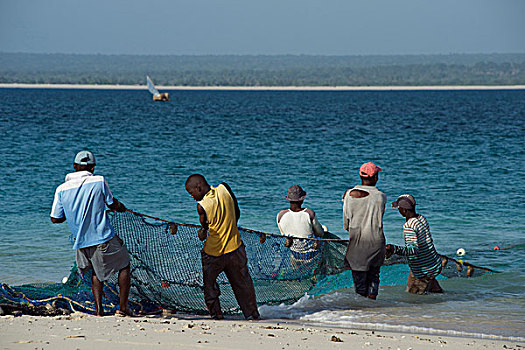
(166, 271)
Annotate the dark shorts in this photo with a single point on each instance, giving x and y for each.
(105, 259)
(234, 265)
(423, 285)
(366, 283)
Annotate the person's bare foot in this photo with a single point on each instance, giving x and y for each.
(125, 313)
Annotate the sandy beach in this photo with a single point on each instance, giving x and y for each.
(81, 331)
(267, 88)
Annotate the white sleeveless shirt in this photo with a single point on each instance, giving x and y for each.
(301, 224)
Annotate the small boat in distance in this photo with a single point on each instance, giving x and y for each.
(157, 96)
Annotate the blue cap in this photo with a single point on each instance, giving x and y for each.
(85, 158)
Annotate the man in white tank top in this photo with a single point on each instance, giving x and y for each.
(299, 222)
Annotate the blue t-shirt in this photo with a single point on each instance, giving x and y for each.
(83, 199)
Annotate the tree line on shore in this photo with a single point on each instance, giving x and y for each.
(280, 70)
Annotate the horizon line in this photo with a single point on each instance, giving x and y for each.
(265, 88)
(265, 54)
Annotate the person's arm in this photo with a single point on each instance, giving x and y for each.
(111, 201)
(203, 219)
(317, 228)
(58, 220)
(279, 217)
(346, 215)
(57, 210)
(237, 210)
(117, 206)
(411, 247)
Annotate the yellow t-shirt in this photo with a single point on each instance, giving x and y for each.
(223, 235)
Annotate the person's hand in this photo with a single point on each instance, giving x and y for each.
(389, 250)
(121, 207)
(203, 233)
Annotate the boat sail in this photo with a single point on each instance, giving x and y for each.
(157, 96)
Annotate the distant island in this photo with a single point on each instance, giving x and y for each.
(262, 70)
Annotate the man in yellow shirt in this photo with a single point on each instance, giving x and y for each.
(223, 250)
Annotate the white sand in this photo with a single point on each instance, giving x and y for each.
(81, 331)
(264, 88)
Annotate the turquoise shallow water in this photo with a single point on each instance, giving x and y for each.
(460, 153)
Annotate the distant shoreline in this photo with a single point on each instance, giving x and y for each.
(266, 88)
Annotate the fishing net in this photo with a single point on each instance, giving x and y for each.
(166, 271)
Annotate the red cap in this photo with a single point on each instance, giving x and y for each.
(369, 169)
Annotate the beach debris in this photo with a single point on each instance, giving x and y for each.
(460, 252)
(336, 339)
(34, 310)
(163, 330)
(168, 312)
(2, 313)
(75, 336)
(271, 335)
(64, 280)
(173, 228)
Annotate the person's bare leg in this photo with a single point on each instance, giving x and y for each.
(124, 282)
(96, 287)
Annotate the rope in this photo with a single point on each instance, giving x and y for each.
(465, 263)
(260, 233)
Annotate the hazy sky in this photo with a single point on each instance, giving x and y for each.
(328, 27)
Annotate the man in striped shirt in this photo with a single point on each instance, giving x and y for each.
(424, 261)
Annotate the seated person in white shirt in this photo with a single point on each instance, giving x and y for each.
(299, 222)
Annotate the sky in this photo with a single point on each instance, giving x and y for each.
(269, 27)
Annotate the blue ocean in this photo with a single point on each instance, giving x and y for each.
(460, 153)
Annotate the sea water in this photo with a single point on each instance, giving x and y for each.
(460, 153)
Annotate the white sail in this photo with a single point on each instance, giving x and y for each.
(152, 87)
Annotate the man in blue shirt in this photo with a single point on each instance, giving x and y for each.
(82, 200)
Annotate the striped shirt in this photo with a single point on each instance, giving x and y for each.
(419, 248)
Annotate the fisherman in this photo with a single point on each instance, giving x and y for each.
(299, 222)
(423, 259)
(363, 209)
(223, 249)
(82, 200)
